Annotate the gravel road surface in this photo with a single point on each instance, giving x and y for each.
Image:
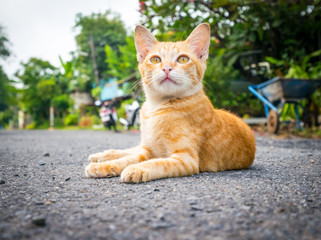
(45, 195)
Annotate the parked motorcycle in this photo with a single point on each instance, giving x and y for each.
(108, 115)
(132, 116)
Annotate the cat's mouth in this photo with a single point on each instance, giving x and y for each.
(168, 80)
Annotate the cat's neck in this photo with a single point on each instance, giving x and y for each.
(154, 101)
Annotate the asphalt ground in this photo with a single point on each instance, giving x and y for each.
(45, 194)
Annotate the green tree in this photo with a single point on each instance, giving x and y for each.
(124, 63)
(104, 29)
(7, 90)
(5, 93)
(4, 42)
(217, 80)
(40, 80)
(75, 75)
(7, 98)
(62, 103)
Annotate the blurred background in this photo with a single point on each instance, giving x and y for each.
(72, 64)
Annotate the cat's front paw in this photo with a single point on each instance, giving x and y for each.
(106, 156)
(135, 174)
(100, 170)
(94, 157)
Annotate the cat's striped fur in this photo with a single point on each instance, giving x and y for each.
(182, 133)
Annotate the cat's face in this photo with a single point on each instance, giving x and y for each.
(172, 69)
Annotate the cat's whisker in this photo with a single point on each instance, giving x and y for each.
(209, 88)
(135, 85)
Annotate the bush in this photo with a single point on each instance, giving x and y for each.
(96, 120)
(91, 110)
(85, 122)
(31, 126)
(59, 123)
(71, 120)
(217, 81)
(43, 125)
(121, 110)
(6, 116)
(95, 92)
(62, 103)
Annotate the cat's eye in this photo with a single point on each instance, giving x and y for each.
(155, 60)
(183, 59)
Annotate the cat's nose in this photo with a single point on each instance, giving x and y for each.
(167, 69)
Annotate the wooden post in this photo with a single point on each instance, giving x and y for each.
(21, 119)
(52, 117)
(93, 56)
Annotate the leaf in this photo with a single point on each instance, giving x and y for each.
(275, 61)
(252, 37)
(316, 53)
(260, 33)
(232, 60)
(62, 63)
(276, 23)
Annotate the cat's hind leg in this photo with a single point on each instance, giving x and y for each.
(112, 154)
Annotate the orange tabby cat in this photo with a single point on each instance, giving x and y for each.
(182, 134)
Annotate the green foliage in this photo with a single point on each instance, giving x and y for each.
(288, 112)
(123, 63)
(62, 103)
(248, 105)
(45, 86)
(71, 120)
(68, 68)
(303, 68)
(217, 80)
(47, 89)
(261, 28)
(4, 49)
(43, 124)
(90, 110)
(96, 120)
(95, 92)
(7, 91)
(105, 28)
(217, 83)
(121, 110)
(80, 83)
(31, 126)
(67, 76)
(6, 116)
(75, 76)
(40, 85)
(59, 123)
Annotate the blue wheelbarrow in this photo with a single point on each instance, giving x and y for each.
(277, 92)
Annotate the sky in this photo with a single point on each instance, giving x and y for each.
(44, 28)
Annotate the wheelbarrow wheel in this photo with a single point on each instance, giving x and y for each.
(273, 122)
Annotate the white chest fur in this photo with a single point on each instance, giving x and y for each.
(153, 134)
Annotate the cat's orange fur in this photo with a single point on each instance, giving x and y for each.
(182, 133)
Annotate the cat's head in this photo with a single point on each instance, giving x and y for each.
(172, 69)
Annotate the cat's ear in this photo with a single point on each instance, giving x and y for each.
(199, 40)
(144, 42)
